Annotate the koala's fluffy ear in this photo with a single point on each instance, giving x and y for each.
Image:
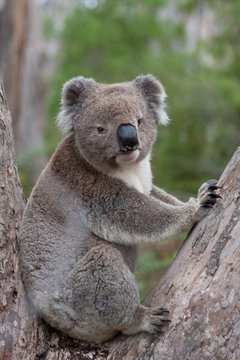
(74, 92)
(155, 94)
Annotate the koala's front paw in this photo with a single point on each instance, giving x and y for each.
(207, 197)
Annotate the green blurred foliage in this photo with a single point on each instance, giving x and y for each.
(154, 261)
(25, 161)
(150, 269)
(118, 40)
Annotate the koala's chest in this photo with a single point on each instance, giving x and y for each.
(136, 175)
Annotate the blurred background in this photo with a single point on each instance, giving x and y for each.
(192, 46)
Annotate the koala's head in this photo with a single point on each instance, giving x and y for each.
(114, 125)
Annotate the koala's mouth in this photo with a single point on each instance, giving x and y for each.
(127, 156)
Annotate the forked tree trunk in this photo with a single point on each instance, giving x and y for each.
(201, 288)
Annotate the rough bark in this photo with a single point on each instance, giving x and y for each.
(12, 202)
(201, 288)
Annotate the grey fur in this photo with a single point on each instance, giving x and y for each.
(83, 222)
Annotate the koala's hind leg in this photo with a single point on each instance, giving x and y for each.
(103, 296)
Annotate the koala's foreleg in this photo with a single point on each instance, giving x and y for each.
(134, 218)
(165, 197)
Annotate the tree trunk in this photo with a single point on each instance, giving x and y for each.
(12, 202)
(201, 288)
(13, 15)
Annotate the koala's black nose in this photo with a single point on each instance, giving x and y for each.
(127, 137)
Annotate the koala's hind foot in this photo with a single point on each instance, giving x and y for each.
(148, 320)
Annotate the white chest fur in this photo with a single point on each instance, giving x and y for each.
(137, 175)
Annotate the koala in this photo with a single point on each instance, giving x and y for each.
(93, 205)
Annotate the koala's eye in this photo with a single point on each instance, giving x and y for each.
(101, 130)
(139, 121)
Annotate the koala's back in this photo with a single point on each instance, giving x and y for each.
(53, 234)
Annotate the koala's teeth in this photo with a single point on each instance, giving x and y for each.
(128, 149)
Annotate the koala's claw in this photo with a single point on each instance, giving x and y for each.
(214, 187)
(160, 311)
(157, 326)
(159, 320)
(209, 199)
(207, 206)
(214, 195)
(157, 330)
(165, 320)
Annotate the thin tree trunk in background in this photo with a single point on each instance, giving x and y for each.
(13, 15)
(32, 113)
(201, 288)
(21, 65)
